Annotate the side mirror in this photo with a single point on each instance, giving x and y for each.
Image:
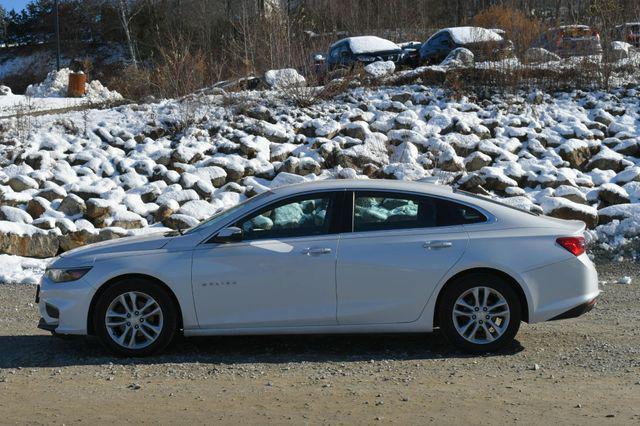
(228, 235)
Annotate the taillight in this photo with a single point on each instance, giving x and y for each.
(597, 34)
(574, 245)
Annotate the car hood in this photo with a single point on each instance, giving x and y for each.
(154, 241)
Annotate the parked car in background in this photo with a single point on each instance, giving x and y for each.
(411, 51)
(362, 50)
(334, 256)
(485, 44)
(629, 33)
(571, 40)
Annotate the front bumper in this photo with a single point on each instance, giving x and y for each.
(64, 307)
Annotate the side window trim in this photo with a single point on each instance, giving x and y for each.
(489, 218)
(334, 196)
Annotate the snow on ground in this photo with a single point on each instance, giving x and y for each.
(82, 177)
(21, 270)
(51, 95)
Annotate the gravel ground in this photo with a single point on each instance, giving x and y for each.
(585, 370)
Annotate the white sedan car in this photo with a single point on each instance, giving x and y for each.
(339, 256)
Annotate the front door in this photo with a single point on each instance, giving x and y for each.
(282, 273)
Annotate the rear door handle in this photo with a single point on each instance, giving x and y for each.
(434, 245)
(316, 251)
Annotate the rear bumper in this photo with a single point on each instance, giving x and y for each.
(577, 311)
(558, 289)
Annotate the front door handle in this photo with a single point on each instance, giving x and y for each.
(316, 251)
(434, 245)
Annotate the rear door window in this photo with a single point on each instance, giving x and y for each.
(381, 211)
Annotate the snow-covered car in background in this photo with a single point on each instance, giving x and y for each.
(571, 40)
(484, 43)
(336, 256)
(629, 33)
(362, 50)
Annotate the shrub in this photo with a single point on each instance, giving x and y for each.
(520, 29)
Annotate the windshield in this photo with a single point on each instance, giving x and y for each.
(220, 217)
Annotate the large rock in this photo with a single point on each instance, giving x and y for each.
(612, 194)
(606, 159)
(459, 57)
(476, 161)
(563, 208)
(27, 241)
(380, 69)
(22, 183)
(538, 55)
(575, 151)
(72, 205)
(180, 221)
(37, 206)
(284, 78)
(619, 212)
(97, 208)
(620, 50)
(83, 237)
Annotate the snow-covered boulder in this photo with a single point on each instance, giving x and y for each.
(612, 194)
(280, 79)
(21, 239)
(380, 69)
(620, 50)
(459, 57)
(563, 208)
(22, 183)
(619, 212)
(5, 90)
(538, 55)
(575, 151)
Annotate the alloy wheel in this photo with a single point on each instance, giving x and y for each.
(134, 320)
(481, 315)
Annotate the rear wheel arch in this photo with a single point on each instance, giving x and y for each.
(115, 280)
(508, 278)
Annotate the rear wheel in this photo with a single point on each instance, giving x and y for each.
(480, 313)
(135, 318)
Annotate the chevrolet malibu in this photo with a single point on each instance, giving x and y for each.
(329, 257)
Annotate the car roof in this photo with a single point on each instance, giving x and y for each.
(367, 44)
(468, 35)
(364, 184)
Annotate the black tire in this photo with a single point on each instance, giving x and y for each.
(456, 289)
(160, 296)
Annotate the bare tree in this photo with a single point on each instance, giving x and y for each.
(127, 10)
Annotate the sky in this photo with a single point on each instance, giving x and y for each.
(18, 5)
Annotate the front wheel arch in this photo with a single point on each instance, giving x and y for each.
(114, 281)
(516, 286)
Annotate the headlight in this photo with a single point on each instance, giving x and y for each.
(66, 274)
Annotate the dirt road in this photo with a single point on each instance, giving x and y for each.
(585, 370)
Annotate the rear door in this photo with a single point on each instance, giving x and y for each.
(400, 248)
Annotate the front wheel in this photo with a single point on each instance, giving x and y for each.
(135, 318)
(480, 313)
